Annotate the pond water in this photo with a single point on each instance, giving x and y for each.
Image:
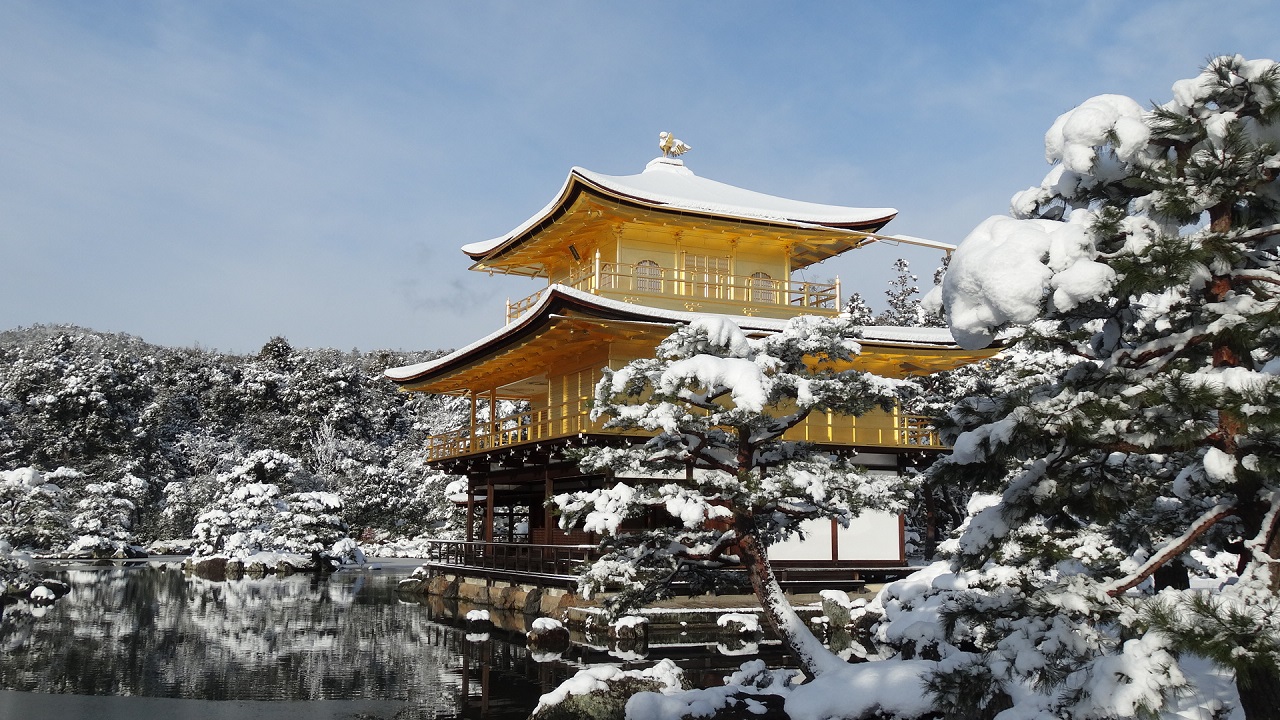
(147, 641)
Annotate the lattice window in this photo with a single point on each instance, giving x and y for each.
(648, 276)
(764, 289)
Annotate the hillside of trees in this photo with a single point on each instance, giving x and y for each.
(108, 435)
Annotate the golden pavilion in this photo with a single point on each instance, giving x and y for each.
(626, 259)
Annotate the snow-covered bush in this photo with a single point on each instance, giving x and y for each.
(310, 523)
(251, 517)
(15, 570)
(104, 518)
(246, 525)
(33, 509)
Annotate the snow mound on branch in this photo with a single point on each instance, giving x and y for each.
(1204, 88)
(724, 333)
(1123, 685)
(1007, 270)
(744, 377)
(1075, 136)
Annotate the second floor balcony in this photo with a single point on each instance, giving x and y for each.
(876, 429)
(697, 290)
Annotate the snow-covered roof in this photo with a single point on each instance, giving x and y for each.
(668, 183)
(900, 336)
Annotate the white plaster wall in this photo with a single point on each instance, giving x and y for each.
(870, 536)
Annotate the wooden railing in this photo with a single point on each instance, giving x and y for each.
(542, 561)
(527, 426)
(875, 429)
(654, 281)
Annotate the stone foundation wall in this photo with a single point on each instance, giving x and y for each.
(499, 595)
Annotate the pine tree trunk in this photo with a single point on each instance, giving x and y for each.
(1259, 686)
(930, 521)
(813, 656)
(1259, 694)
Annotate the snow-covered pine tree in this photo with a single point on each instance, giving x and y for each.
(1151, 252)
(310, 524)
(904, 298)
(104, 518)
(242, 518)
(33, 508)
(727, 481)
(860, 313)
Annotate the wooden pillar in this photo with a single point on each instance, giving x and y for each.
(472, 394)
(471, 509)
(786, 276)
(488, 509)
(493, 417)
(548, 517)
(630, 285)
(835, 540)
(730, 287)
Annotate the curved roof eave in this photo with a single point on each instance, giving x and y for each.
(559, 298)
(580, 178)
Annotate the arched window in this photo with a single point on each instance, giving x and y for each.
(764, 289)
(648, 276)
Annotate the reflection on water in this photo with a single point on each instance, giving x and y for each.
(151, 631)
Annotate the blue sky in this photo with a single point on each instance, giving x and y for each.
(223, 172)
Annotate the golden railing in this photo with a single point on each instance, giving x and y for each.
(516, 429)
(646, 280)
(874, 429)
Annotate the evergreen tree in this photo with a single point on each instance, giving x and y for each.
(33, 509)
(1151, 254)
(904, 301)
(860, 313)
(242, 519)
(311, 523)
(104, 518)
(720, 404)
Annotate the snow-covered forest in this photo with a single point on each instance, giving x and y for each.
(108, 442)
